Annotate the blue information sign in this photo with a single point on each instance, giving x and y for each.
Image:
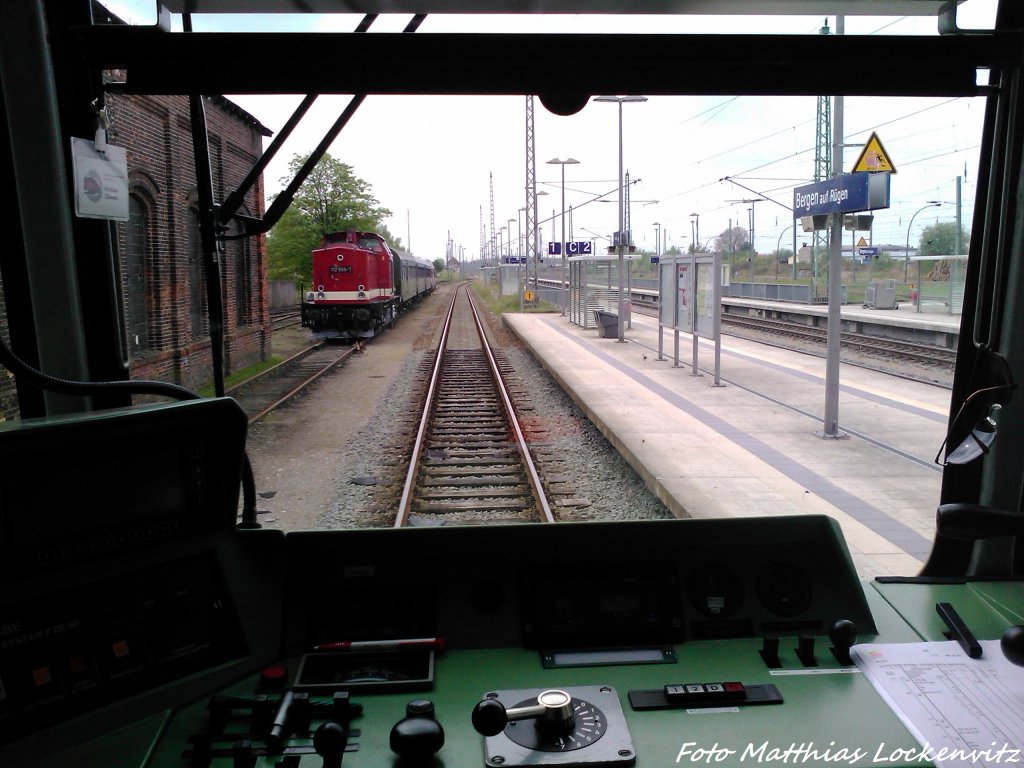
(870, 251)
(847, 193)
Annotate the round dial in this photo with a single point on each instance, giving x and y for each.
(714, 591)
(784, 590)
(589, 726)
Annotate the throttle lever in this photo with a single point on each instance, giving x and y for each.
(553, 712)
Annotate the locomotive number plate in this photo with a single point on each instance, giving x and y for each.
(335, 268)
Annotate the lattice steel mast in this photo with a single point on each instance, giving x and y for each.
(494, 235)
(822, 164)
(531, 194)
(483, 238)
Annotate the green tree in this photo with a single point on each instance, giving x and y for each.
(730, 241)
(289, 248)
(331, 199)
(939, 239)
(439, 265)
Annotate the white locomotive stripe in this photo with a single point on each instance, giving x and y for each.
(332, 296)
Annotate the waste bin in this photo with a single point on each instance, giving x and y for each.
(607, 324)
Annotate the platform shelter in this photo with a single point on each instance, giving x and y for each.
(594, 285)
(939, 283)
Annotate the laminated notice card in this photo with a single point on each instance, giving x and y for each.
(101, 180)
(963, 711)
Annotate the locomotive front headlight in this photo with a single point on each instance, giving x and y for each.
(361, 295)
(320, 295)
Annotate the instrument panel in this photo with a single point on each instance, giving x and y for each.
(372, 629)
(585, 644)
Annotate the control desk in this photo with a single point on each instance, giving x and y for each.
(720, 642)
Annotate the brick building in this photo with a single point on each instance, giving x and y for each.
(161, 259)
(162, 281)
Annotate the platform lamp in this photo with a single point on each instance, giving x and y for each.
(563, 163)
(620, 100)
(695, 224)
(906, 252)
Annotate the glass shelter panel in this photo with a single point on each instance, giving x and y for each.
(594, 285)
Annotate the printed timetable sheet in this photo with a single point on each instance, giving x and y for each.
(963, 711)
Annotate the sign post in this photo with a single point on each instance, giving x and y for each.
(845, 193)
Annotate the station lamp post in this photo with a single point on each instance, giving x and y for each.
(906, 252)
(778, 246)
(563, 163)
(519, 232)
(695, 224)
(620, 100)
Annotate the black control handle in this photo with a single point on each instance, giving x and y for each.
(418, 735)
(553, 713)
(1012, 644)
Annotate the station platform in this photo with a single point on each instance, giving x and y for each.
(753, 445)
(932, 324)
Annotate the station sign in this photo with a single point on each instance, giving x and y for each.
(575, 248)
(846, 193)
(870, 251)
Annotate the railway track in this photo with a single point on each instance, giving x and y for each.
(469, 462)
(932, 358)
(872, 345)
(284, 319)
(275, 386)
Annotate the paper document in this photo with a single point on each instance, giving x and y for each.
(963, 711)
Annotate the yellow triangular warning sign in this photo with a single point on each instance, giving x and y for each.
(861, 243)
(873, 158)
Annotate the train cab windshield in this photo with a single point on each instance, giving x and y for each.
(548, 371)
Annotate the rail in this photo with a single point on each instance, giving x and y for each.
(465, 473)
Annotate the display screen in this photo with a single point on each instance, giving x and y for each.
(631, 605)
(91, 492)
(76, 486)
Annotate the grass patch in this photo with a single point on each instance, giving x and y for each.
(498, 304)
(241, 375)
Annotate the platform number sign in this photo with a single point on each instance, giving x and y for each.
(575, 248)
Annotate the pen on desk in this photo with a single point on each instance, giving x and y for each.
(436, 643)
(959, 631)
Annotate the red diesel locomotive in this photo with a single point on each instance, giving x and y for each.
(360, 285)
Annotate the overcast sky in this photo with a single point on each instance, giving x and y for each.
(429, 159)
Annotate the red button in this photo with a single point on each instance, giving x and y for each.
(42, 676)
(274, 676)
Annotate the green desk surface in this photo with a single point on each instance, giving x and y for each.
(830, 710)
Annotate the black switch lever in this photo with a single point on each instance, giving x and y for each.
(770, 652)
(329, 741)
(805, 651)
(843, 635)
